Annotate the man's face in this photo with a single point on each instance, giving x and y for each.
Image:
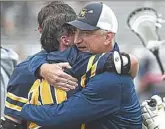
(91, 41)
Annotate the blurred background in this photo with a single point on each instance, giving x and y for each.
(19, 32)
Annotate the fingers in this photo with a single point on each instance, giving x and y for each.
(63, 81)
(55, 76)
(72, 83)
(64, 85)
(64, 65)
(63, 88)
(72, 79)
(68, 77)
(62, 76)
(66, 81)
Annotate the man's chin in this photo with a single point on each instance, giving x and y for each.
(83, 49)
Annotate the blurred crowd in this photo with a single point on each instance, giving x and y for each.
(19, 25)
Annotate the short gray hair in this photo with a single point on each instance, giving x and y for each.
(102, 32)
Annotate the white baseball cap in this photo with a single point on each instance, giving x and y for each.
(96, 15)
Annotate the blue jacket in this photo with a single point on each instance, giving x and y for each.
(22, 79)
(19, 85)
(108, 100)
(24, 76)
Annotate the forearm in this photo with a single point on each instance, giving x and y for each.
(57, 115)
(122, 63)
(134, 66)
(35, 63)
(13, 106)
(117, 62)
(17, 90)
(92, 103)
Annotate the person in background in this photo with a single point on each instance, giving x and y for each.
(9, 60)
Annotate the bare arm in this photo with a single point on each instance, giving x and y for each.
(134, 66)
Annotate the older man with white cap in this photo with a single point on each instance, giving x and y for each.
(109, 100)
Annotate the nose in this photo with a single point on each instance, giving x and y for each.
(78, 38)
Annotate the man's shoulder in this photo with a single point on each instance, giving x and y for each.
(42, 52)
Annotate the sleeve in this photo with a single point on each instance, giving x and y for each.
(69, 55)
(17, 91)
(19, 85)
(88, 65)
(114, 62)
(36, 62)
(99, 98)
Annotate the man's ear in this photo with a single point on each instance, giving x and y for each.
(65, 40)
(39, 29)
(108, 38)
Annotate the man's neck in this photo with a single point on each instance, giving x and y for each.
(62, 47)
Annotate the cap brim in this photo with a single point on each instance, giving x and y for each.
(81, 25)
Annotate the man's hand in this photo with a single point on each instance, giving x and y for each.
(153, 113)
(55, 75)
